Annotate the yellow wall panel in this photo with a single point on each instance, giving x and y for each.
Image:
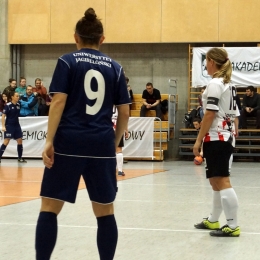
(66, 13)
(238, 20)
(190, 20)
(133, 21)
(28, 21)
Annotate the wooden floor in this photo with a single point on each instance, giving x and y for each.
(20, 184)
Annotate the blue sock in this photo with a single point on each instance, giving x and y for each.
(20, 150)
(107, 237)
(2, 150)
(46, 235)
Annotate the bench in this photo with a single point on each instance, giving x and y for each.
(163, 130)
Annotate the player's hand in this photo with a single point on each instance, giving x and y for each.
(48, 155)
(236, 134)
(196, 148)
(3, 129)
(126, 134)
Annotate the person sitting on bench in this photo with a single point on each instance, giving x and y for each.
(151, 100)
(251, 107)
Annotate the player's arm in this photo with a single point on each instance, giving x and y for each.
(204, 129)
(122, 121)
(55, 113)
(236, 121)
(3, 122)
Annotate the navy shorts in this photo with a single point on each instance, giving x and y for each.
(13, 132)
(62, 180)
(217, 154)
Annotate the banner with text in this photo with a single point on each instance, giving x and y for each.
(245, 64)
(34, 137)
(138, 144)
(140, 140)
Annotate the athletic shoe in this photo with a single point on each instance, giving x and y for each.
(226, 231)
(206, 224)
(21, 160)
(121, 173)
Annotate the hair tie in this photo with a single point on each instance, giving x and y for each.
(226, 59)
(85, 36)
(90, 36)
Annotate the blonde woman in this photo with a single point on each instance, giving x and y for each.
(218, 129)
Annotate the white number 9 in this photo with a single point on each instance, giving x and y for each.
(98, 95)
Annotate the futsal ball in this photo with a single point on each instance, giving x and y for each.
(198, 160)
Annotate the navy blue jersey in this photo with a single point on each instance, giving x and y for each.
(93, 83)
(12, 113)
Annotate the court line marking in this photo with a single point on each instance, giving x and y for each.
(181, 185)
(144, 184)
(130, 228)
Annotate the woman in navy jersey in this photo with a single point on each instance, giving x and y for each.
(218, 130)
(11, 126)
(81, 140)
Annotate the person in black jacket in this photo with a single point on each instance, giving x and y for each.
(151, 100)
(251, 107)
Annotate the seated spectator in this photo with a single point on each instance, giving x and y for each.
(239, 108)
(130, 92)
(48, 103)
(151, 100)
(251, 107)
(21, 90)
(29, 103)
(238, 102)
(200, 107)
(197, 123)
(10, 89)
(42, 95)
(40, 89)
(3, 102)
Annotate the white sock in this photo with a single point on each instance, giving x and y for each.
(216, 208)
(119, 161)
(230, 205)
